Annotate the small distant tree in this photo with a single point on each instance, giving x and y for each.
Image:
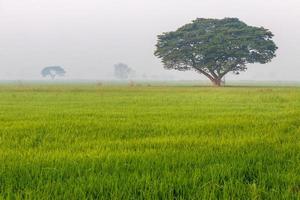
(215, 47)
(122, 71)
(53, 71)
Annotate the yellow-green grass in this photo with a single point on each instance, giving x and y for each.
(116, 142)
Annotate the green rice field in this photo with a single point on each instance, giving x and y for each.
(149, 142)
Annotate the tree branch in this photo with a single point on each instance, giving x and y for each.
(201, 70)
(205, 73)
(213, 74)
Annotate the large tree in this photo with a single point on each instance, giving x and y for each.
(214, 47)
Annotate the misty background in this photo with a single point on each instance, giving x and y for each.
(87, 37)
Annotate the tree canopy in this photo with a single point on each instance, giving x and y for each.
(53, 71)
(214, 47)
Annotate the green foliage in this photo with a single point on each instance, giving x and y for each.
(215, 47)
(90, 142)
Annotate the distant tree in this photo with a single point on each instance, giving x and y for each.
(122, 71)
(53, 71)
(215, 47)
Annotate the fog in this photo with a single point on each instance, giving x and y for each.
(87, 37)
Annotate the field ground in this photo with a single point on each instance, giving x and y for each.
(114, 142)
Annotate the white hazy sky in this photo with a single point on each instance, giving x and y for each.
(87, 37)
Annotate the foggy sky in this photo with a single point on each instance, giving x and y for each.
(87, 37)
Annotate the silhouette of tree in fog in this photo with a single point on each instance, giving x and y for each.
(53, 71)
(122, 71)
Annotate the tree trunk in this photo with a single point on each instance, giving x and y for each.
(216, 82)
(215, 79)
